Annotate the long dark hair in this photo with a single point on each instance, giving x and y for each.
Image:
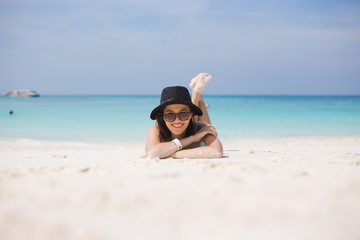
(164, 132)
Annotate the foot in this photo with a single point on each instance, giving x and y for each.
(202, 80)
(194, 81)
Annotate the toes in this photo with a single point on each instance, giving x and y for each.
(194, 81)
(200, 81)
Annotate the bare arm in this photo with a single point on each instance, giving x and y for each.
(156, 149)
(213, 149)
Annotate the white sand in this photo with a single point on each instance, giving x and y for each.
(294, 188)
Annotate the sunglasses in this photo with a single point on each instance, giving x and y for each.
(170, 117)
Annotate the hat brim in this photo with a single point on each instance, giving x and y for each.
(193, 107)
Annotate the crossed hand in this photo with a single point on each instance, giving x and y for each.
(204, 130)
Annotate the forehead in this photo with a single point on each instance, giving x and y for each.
(176, 108)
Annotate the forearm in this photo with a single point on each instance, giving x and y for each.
(202, 152)
(164, 150)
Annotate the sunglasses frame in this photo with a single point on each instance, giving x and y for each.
(177, 115)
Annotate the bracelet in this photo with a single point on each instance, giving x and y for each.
(177, 143)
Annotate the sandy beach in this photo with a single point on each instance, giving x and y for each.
(263, 188)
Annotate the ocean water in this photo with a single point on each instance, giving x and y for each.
(126, 118)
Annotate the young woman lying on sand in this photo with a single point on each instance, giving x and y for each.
(183, 128)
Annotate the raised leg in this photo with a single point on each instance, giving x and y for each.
(197, 84)
(198, 100)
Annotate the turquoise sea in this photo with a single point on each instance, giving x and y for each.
(126, 118)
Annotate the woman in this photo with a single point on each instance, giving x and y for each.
(183, 128)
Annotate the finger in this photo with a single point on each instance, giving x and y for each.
(212, 132)
(212, 127)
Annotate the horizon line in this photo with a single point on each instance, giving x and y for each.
(210, 95)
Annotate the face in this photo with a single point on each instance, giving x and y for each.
(178, 126)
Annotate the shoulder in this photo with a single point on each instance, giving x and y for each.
(200, 125)
(152, 137)
(153, 129)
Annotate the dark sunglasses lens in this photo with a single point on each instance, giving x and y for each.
(170, 117)
(184, 116)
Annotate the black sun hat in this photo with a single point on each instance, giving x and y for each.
(175, 95)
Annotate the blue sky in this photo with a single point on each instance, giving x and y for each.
(138, 46)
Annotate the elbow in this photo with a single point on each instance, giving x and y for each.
(153, 154)
(218, 154)
(218, 151)
(215, 154)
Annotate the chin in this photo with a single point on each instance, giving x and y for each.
(177, 129)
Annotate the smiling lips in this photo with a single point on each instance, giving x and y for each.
(177, 125)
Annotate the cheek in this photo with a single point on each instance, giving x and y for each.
(167, 124)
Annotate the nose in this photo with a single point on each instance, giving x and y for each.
(177, 118)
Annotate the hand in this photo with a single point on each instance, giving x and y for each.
(204, 130)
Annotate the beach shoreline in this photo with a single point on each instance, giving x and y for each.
(263, 188)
